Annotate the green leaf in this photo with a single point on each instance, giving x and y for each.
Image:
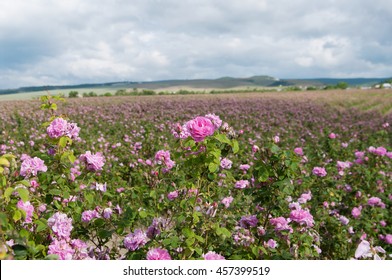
(213, 167)
(17, 215)
(143, 214)
(8, 193)
(188, 232)
(23, 193)
(4, 162)
(223, 231)
(41, 225)
(235, 146)
(222, 138)
(55, 192)
(53, 106)
(63, 141)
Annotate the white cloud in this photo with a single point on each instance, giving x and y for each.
(58, 42)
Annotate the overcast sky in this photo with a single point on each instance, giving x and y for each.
(48, 42)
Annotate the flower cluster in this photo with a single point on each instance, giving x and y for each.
(60, 127)
(31, 166)
(93, 162)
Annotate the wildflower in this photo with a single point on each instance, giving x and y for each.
(319, 171)
(216, 121)
(61, 225)
(248, 221)
(332, 135)
(225, 163)
(374, 201)
(107, 213)
(31, 166)
(299, 151)
(276, 139)
(241, 184)
(163, 157)
(28, 208)
(212, 256)
(88, 215)
(172, 195)
(62, 249)
(344, 220)
(93, 162)
(305, 197)
(227, 201)
(280, 224)
(244, 167)
(158, 254)
(302, 217)
(271, 243)
(57, 128)
(356, 212)
(135, 240)
(388, 238)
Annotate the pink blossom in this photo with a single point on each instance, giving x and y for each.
(163, 158)
(107, 213)
(276, 139)
(210, 256)
(280, 224)
(172, 195)
(332, 135)
(225, 163)
(388, 238)
(31, 166)
(61, 225)
(244, 167)
(227, 201)
(57, 128)
(374, 201)
(305, 197)
(135, 240)
(241, 184)
(199, 128)
(88, 215)
(299, 151)
(62, 249)
(28, 208)
(158, 254)
(248, 221)
(356, 212)
(303, 217)
(272, 243)
(319, 171)
(344, 220)
(363, 250)
(216, 121)
(93, 162)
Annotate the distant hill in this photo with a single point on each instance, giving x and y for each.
(221, 83)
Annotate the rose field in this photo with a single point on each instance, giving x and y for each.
(278, 175)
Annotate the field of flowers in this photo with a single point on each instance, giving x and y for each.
(235, 176)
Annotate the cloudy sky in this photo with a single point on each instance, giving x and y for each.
(47, 42)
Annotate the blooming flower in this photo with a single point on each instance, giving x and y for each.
(272, 243)
(388, 238)
(299, 151)
(61, 225)
(212, 256)
(199, 128)
(158, 254)
(88, 215)
(163, 157)
(216, 121)
(248, 221)
(227, 201)
(280, 224)
(93, 162)
(319, 171)
(302, 217)
(107, 213)
(225, 163)
(172, 195)
(241, 184)
(332, 135)
(62, 249)
(344, 220)
(28, 208)
(57, 128)
(356, 212)
(31, 166)
(374, 201)
(135, 240)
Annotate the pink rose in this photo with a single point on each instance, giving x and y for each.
(199, 128)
